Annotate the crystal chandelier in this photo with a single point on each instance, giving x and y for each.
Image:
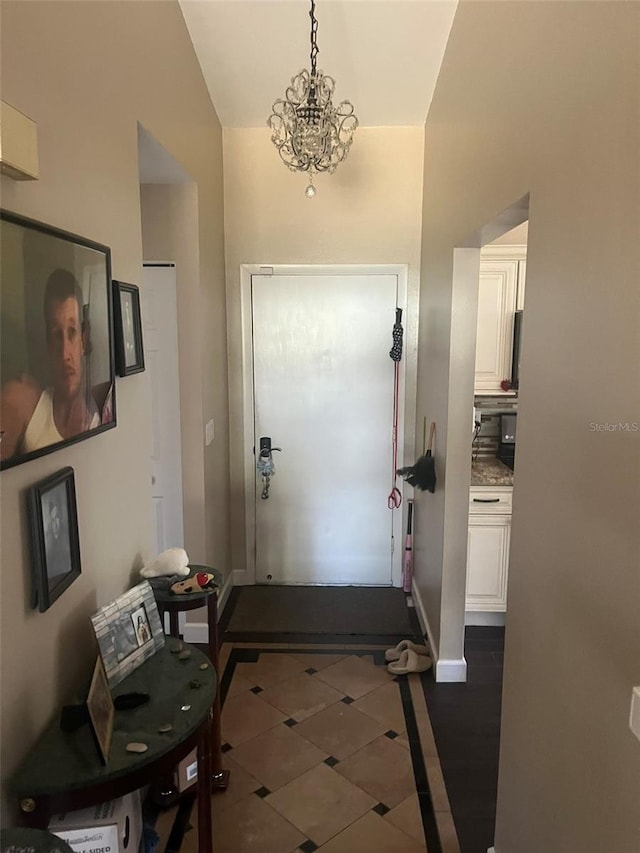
(312, 135)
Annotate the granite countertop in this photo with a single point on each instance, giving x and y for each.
(489, 471)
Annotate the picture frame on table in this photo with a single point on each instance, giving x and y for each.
(57, 366)
(101, 711)
(129, 630)
(128, 328)
(55, 543)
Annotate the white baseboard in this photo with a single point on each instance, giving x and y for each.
(451, 670)
(422, 618)
(198, 632)
(491, 850)
(484, 617)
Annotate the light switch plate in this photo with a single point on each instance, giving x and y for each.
(209, 432)
(634, 716)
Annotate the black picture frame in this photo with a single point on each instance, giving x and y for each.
(55, 545)
(101, 711)
(57, 373)
(128, 328)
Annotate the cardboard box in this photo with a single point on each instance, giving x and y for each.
(113, 827)
(186, 773)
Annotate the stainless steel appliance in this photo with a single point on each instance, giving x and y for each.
(507, 444)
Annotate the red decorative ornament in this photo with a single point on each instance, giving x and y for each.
(505, 385)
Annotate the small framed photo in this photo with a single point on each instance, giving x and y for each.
(128, 328)
(101, 711)
(55, 546)
(129, 631)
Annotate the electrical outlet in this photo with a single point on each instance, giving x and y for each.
(634, 716)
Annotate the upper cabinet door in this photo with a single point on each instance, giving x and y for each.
(496, 306)
(522, 277)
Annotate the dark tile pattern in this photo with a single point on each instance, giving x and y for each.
(347, 700)
(256, 690)
(226, 747)
(391, 734)
(308, 847)
(466, 726)
(331, 761)
(263, 792)
(381, 809)
(311, 671)
(291, 722)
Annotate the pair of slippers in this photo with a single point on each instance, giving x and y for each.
(408, 657)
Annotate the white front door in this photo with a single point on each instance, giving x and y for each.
(324, 392)
(160, 335)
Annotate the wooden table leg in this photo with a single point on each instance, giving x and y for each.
(220, 777)
(205, 823)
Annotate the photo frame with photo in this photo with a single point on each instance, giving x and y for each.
(129, 631)
(101, 711)
(128, 328)
(56, 339)
(55, 544)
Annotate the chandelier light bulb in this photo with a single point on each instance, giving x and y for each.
(310, 191)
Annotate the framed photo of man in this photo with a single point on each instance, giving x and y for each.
(56, 339)
(55, 545)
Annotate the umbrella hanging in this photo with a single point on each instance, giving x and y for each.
(395, 498)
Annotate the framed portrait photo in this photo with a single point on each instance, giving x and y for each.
(56, 339)
(55, 546)
(101, 711)
(128, 631)
(128, 328)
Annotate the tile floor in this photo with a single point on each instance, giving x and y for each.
(327, 751)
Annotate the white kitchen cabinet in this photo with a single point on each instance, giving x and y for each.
(488, 549)
(522, 276)
(498, 298)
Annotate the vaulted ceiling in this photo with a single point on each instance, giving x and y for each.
(385, 55)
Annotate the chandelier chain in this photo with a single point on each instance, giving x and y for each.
(314, 33)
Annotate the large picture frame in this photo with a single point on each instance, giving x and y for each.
(101, 711)
(56, 339)
(55, 544)
(129, 631)
(128, 328)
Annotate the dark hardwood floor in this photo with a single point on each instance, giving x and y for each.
(466, 726)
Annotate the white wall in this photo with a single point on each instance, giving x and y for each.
(368, 212)
(542, 98)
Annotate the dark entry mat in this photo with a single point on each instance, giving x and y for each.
(320, 610)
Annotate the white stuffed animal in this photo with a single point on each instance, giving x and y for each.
(173, 561)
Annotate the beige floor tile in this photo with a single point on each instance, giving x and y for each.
(354, 676)
(252, 826)
(318, 662)
(439, 796)
(245, 716)
(321, 803)
(240, 785)
(425, 731)
(371, 834)
(270, 669)
(278, 756)
(339, 730)
(403, 741)
(408, 817)
(385, 705)
(238, 685)
(447, 833)
(382, 769)
(301, 697)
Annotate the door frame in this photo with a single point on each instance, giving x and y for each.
(248, 576)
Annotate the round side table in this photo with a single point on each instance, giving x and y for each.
(174, 604)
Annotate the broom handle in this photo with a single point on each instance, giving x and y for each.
(424, 435)
(432, 432)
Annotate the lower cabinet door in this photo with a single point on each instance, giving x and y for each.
(488, 562)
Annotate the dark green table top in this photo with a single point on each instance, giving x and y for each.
(62, 761)
(21, 840)
(163, 596)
